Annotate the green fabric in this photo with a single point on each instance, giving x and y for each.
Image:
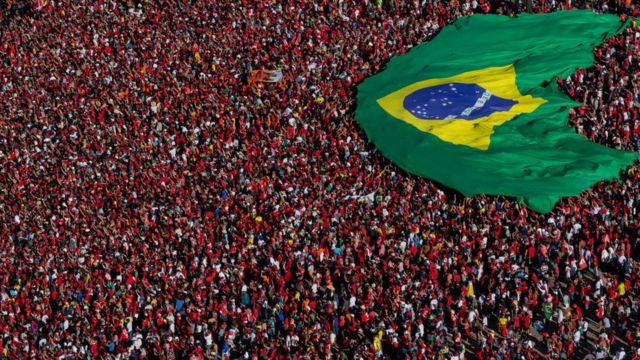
(535, 157)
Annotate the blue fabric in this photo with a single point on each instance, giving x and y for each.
(454, 101)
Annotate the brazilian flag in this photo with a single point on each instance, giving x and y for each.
(478, 108)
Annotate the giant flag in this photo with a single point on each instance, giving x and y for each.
(478, 108)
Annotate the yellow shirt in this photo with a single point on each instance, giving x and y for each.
(377, 344)
(377, 341)
(470, 291)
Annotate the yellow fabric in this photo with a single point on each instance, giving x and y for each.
(377, 344)
(470, 291)
(377, 341)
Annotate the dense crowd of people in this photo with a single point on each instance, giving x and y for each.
(153, 204)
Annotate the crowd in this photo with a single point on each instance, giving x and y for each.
(154, 205)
